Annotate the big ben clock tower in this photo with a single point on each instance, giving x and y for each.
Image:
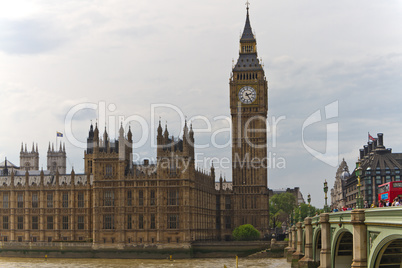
(249, 108)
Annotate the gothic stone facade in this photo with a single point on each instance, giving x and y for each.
(172, 201)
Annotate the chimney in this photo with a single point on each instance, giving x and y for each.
(366, 152)
(380, 140)
(361, 154)
(369, 145)
(375, 143)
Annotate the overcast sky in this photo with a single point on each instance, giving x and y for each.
(129, 55)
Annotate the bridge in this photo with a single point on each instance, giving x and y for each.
(358, 238)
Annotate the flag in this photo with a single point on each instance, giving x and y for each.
(370, 137)
(59, 134)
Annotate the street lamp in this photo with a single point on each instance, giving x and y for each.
(359, 199)
(309, 205)
(300, 216)
(326, 191)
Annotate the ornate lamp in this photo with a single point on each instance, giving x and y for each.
(309, 205)
(359, 199)
(326, 191)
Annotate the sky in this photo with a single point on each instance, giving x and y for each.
(334, 70)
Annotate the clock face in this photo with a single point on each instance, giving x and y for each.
(247, 95)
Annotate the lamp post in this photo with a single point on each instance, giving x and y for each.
(359, 199)
(290, 220)
(300, 216)
(326, 191)
(309, 205)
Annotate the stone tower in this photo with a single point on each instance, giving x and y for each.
(249, 108)
(56, 159)
(29, 160)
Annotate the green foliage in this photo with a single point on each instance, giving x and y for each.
(283, 205)
(280, 207)
(246, 232)
(284, 201)
(304, 211)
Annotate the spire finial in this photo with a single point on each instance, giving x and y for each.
(247, 4)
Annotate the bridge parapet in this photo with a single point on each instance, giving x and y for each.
(358, 238)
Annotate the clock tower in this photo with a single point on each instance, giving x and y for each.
(249, 108)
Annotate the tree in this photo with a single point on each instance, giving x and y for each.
(304, 211)
(281, 206)
(246, 232)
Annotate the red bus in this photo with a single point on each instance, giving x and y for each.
(388, 191)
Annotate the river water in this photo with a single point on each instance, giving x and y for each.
(119, 263)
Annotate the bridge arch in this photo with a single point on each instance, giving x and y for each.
(317, 244)
(342, 248)
(387, 252)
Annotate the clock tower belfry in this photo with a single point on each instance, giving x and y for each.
(249, 108)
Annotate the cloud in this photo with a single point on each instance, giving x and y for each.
(29, 36)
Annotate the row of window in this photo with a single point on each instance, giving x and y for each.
(140, 240)
(49, 200)
(172, 200)
(377, 179)
(35, 239)
(172, 221)
(49, 222)
(387, 171)
(351, 197)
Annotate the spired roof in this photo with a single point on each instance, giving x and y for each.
(247, 32)
(248, 61)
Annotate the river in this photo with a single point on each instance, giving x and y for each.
(120, 263)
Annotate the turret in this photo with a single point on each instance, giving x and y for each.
(166, 135)
(213, 171)
(191, 135)
(122, 143)
(185, 138)
(5, 170)
(29, 160)
(130, 135)
(57, 159)
(160, 129)
(96, 136)
(159, 140)
(105, 140)
(90, 140)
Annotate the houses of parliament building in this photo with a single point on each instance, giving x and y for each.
(119, 203)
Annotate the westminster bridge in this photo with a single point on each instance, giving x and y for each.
(358, 238)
